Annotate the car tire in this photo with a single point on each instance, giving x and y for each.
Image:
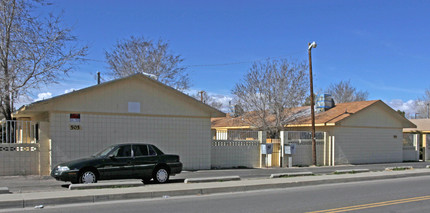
(161, 175)
(87, 176)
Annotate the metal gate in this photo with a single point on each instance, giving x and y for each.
(12, 131)
(274, 158)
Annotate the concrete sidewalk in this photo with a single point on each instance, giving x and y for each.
(30, 200)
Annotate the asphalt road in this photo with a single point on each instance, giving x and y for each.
(393, 195)
(23, 184)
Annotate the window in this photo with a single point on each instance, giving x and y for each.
(151, 151)
(140, 150)
(123, 151)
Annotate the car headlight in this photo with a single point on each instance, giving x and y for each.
(63, 168)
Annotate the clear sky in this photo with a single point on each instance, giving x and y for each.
(381, 46)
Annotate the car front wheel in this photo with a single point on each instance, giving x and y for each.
(161, 175)
(88, 176)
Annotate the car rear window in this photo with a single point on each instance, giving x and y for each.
(140, 150)
(152, 151)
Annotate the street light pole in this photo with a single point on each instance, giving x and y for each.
(314, 150)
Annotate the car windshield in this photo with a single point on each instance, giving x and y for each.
(104, 152)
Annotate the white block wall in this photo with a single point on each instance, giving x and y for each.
(368, 145)
(229, 154)
(19, 159)
(303, 154)
(187, 137)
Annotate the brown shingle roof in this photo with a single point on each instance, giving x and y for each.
(244, 121)
(336, 114)
(301, 116)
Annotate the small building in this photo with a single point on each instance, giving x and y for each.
(131, 109)
(359, 132)
(348, 133)
(418, 139)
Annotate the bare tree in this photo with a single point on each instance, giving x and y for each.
(270, 90)
(137, 54)
(34, 50)
(343, 92)
(422, 109)
(207, 99)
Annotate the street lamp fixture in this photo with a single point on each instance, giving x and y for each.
(314, 150)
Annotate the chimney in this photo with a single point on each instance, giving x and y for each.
(324, 102)
(98, 77)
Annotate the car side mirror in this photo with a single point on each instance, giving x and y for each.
(111, 156)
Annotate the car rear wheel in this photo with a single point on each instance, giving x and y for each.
(88, 176)
(161, 175)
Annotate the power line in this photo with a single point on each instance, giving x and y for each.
(242, 62)
(217, 65)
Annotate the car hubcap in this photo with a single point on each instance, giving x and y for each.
(162, 175)
(88, 177)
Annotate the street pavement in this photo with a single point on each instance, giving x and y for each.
(393, 195)
(31, 191)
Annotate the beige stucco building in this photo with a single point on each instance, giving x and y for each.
(132, 109)
(359, 132)
(419, 138)
(354, 133)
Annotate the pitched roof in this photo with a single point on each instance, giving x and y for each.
(246, 121)
(334, 115)
(301, 116)
(214, 112)
(423, 125)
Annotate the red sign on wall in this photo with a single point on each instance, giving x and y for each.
(75, 117)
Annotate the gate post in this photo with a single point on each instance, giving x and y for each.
(262, 138)
(45, 149)
(282, 156)
(426, 143)
(417, 145)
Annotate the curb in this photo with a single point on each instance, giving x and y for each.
(104, 185)
(295, 174)
(4, 190)
(211, 179)
(93, 196)
(346, 171)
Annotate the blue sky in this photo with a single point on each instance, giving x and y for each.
(381, 46)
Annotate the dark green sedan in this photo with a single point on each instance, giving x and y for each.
(121, 161)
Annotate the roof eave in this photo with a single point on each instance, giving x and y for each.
(310, 125)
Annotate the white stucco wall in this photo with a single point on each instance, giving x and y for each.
(19, 159)
(228, 154)
(367, 145)
(187, 137)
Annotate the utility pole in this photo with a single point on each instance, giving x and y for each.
(98, 77)
(314, 146)
(201, 95)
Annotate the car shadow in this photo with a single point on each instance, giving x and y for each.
(179, 180)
